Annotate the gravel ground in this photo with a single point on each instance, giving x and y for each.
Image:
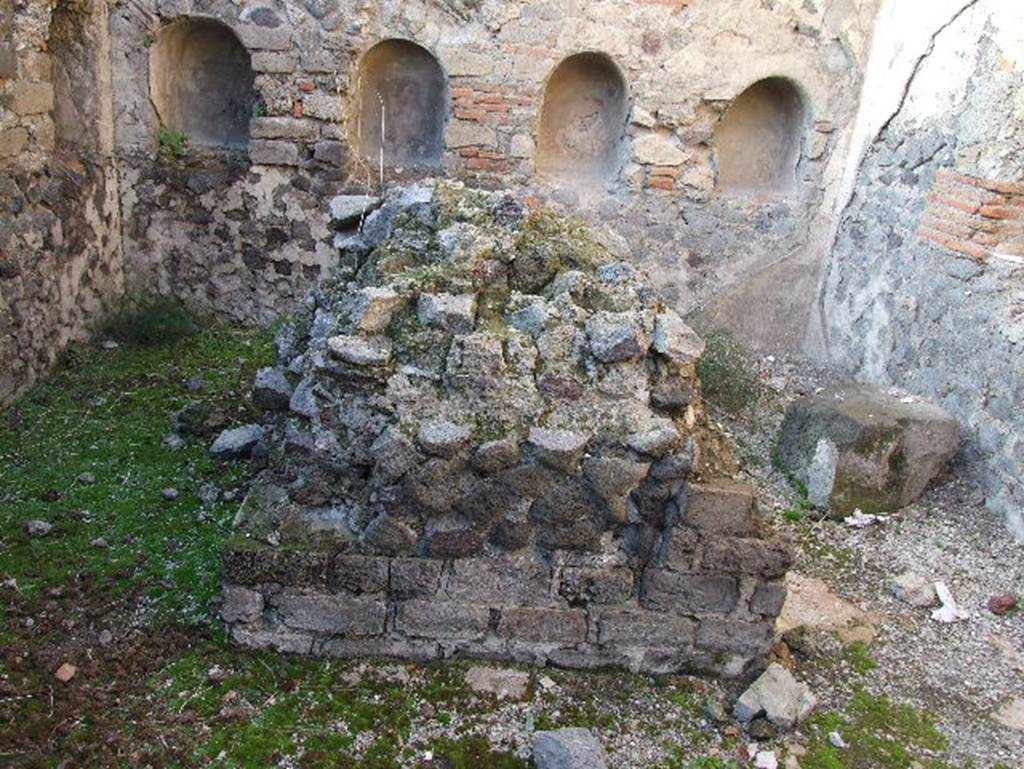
(962, 672)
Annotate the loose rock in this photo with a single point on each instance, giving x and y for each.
(360, 351)
(38, 528)
(913, 589)
(1002, 604)
(348, 209)
(860, 446)
(65, 672)
(236, 443)
(572, 748)
(504, 684)
(271, 390)
(778, 697)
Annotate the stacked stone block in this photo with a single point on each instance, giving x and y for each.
(484, 439)
(706, 602)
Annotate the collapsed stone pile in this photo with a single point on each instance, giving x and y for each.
(484, 438)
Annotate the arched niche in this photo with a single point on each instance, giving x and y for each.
(583, 118)
(759, 140)
(201, 82)
(402, 99)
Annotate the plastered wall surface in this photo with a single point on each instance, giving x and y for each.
(923, 286)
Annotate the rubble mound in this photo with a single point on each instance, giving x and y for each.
(483, 438)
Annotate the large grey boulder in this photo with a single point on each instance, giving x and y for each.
(568, 749)
(777, 696)
(862, 446)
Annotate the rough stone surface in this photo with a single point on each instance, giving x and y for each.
(456, 478)
(360, 351)
(349, 209)
(921, 288)
(448, 312)
(777, 696)
(502, 683)
(571, 748)
(271, 390)
(913, 589)
(863, 447)
(236, 443)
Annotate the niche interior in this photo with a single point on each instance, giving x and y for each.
(201, 82)
(760, 138)
(402, 98)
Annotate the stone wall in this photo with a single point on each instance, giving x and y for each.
(60, 258)
(485, 436)
(923, 288)
(243, 236)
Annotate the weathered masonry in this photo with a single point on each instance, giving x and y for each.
(189, 150)
(486, 439)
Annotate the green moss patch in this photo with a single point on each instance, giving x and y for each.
(879, 735)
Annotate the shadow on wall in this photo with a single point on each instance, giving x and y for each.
(759, 141)
(402, 98)
(201, 81)
(583, 118)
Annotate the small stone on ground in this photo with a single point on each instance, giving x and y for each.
(782, 699)
(571, 748)
(66, 672)
(38, 528)
(504, 684)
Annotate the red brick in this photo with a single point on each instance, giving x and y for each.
(661, 183)
(486, 164)
(949, 227)
(959, 204)
(954, 244)
(463, 114)
(1001, 212)
(494, 107)
(1004, 188)
(952, 189)
(668, 171)
(950, 215)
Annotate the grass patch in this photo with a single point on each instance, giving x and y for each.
(858, 656)
(880, 735)
(173, 142)
(149, 323)
(728, 373)
(683, 759)
(83, 451)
